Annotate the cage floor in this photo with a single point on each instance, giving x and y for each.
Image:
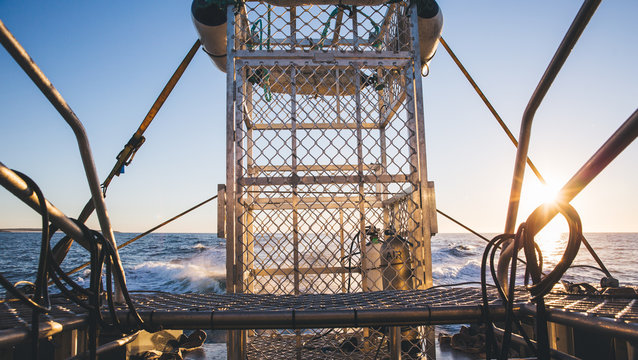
(251, 311)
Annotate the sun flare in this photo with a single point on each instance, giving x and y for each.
(551, 238)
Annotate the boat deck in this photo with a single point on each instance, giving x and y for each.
(383, 308)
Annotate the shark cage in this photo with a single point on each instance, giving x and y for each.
(326, 189)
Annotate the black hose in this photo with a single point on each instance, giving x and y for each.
(541, 283)
(40, 291)
(491, 346)
(102, 255)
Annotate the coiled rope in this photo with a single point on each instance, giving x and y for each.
(541, 285)
(103, 255)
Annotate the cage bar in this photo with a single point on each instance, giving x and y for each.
(326, 154)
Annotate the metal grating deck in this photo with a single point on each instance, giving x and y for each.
(253, 311)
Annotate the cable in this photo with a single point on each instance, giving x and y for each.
(41, 293)
(376, 354)
(489, 106)
(76, 269)
(102, 254)
(33, 303)
(541, 283)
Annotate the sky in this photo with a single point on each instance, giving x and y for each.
(110, 60)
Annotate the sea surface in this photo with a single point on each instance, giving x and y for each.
(182, 263)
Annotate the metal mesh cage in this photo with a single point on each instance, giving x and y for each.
(327, 171)
(323, 27)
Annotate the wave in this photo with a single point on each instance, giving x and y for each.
(461, 250)
(203, 272)
(446, 274)
(199, 247)
(178, 277)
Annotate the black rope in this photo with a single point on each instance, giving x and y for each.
(542, 283)
(40, 303)
(103, 255)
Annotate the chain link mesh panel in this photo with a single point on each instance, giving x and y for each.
(326, 167)
(323, 27)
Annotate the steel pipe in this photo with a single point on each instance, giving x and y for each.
(599, 325)
(18, 187)
(302, 319)
(616, 143)
(577, 27)
(573, 33)
(11, 337)
(27, 64)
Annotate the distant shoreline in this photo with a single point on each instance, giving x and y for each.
(21, 230)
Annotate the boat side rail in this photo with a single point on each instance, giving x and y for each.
(574, 32)
(29, 66)
(18, 187)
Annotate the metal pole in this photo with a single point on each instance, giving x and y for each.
(489, 106)
(29, 66)
(12, 182)
(573, 33)
(424, 249)
(125, 156)
(582, 320)
(616, 143)
(232, 345)
(395, 343)
(318, 318)
(575, 30)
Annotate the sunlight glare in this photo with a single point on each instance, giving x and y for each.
(551, 239)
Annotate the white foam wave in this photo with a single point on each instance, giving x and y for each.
(203, 272)
(200, 246)
(467, 271)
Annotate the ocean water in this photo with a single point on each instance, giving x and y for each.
(181, 263)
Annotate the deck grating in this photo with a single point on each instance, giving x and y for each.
(15, 315)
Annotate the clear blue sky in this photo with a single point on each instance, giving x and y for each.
(111, 59)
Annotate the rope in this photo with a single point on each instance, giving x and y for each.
(148, 231)
(40, 302)
(102, 253)
(489, 106)
(472, 231)
(125, 156)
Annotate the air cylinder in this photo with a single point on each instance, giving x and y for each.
(430, 21)
(210, 22)
(372, 271)
(396, 263)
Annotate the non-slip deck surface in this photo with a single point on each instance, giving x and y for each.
(15, 315)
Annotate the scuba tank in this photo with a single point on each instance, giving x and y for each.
(397, 275)
(372, 270)
(396, 262)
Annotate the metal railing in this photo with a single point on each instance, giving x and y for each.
(23, 59)
(577, 27)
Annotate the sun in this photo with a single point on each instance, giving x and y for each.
(535, 194)
(551, 238)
